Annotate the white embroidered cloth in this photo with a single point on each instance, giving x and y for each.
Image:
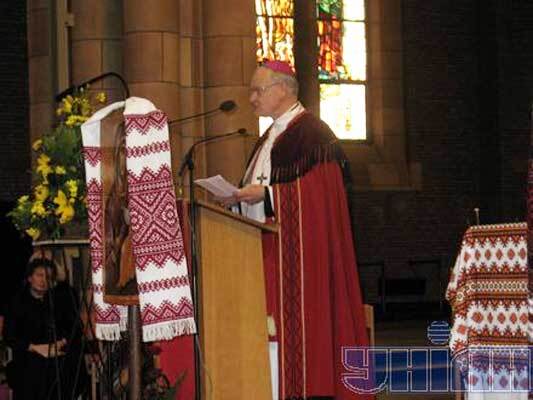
(488, 291)
(164, 293)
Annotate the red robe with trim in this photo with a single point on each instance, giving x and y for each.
(311, 274)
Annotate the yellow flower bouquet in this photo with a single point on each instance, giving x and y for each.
(58, 195)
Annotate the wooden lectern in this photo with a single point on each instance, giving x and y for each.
(233, 326)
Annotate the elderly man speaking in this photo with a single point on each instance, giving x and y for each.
(295, 178)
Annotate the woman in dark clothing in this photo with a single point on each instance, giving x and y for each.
(42, 328)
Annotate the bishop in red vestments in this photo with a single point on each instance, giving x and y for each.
(295, 178)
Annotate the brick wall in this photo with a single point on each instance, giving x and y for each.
(14, 148)
(468, 89)
(14, 143)
(515, 78)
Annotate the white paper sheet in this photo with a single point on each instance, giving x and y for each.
(217, 185)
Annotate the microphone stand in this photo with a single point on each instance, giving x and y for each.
(226, 106)
(71, 89)
(188, 162)
(204, 114)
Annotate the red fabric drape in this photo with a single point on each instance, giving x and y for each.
(312, 284)
(177, 355)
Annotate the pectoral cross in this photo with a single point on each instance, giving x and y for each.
(262, 178)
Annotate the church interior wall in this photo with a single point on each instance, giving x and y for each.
(467, 91)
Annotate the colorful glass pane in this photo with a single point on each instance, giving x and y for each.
(336, 60)
(275, 39)
(274, 8)
(330, 62)
(330, 9)
(343, 108)
(341, 60)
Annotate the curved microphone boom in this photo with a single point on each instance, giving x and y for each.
(225, 106)
(70, 90)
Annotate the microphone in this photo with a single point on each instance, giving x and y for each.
(188, 156)
(74, 88)
(225, 106)
(228, 105)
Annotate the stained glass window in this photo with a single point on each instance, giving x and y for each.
(275, 30)
(341, 56)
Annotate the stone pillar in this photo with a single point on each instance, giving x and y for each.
(151, 54)
(305, 54)
(97, 44)
(40, 68)
(191, 82)
(229, 54)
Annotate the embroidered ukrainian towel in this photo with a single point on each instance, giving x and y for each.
(110, 319)
(157, 245)
(488, 291)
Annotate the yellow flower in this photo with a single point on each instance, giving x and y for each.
(64, 208)
(60, 170)
(38, 208)
(41, 192)
(71, 120)
(60, 200)
(85, 107)
(42, 165)
(37, 144)
(67, 216)
(23, 199)
(34, 233)
(67, 104)
(43, 159)
(75, 120)
(72, 186)
(101, 97)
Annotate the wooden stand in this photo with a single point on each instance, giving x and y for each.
(233, 325)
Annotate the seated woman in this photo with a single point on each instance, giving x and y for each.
(43, 329)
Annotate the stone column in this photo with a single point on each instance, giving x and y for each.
(97, 44)
(191, 83)
(40, 68)
(305, 54)
(229, 53)
(151, 45)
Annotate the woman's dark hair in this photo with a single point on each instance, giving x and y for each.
(40, 262)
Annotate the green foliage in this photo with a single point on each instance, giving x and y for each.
(58, 195)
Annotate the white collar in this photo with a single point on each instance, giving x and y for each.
(287, 116)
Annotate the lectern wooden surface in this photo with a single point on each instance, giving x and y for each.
(233, 325)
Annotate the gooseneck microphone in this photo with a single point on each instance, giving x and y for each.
(225, 106)
(74, 88)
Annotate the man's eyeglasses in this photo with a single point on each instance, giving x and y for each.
(260, 90)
